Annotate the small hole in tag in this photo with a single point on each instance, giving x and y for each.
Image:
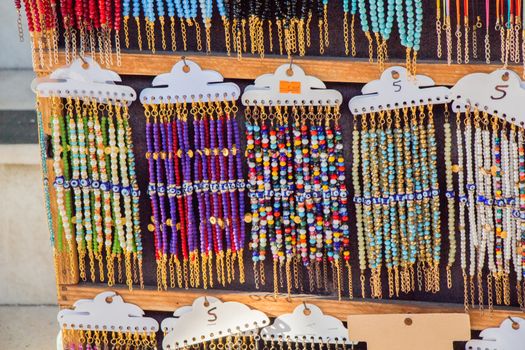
(186, 69)
(515, 326)
(109, 300)
(395, 74)
(408, 321)
(289, 72)
(505, 77)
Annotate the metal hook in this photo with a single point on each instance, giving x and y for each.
(186, 67)
(515, 325)
(306, 310)
(289, 71)
(85, 63)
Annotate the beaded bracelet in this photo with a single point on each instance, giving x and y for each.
(397, 200)
(297, 195)
(96, 190)
(494, 210)
(203, 180)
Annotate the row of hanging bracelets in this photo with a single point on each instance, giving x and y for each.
(277, 27)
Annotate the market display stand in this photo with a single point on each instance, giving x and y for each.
(347, 70)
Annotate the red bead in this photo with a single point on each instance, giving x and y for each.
(28, 15)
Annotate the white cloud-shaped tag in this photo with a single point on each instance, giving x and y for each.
(395, 89)
(188, 82)
(209, 318)
(510, 335)
(289, 86)
(84, 79)
(107, 311)
(499, 93)
(307, 323)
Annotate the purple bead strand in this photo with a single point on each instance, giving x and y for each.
(171, 187)
(152, 187)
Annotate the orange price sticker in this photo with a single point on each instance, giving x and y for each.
(289, 87)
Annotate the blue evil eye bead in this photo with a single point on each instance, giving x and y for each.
(206, 186)
(511, 201)
(470, 187)
(435, 193)
(241, 185)
(522, 216)
(152, 188)
(516, 213)
(449, 194)
(95, 184)
(419, 195)
(115, 188)
(67, 184)
(161, 189)
(500, 203)
(480, 199)
(214, 187)
(308, 195)
(489, 201)
(343, 194)
(104, 186)
(410, 196)
(135, 193)
(126, 191)
(74, 183)
(197, 187)
(463, 199)
(59, 181)
(223, 186)
(178, 192)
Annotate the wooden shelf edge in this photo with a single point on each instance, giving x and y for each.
(328, 69)
(153, 300)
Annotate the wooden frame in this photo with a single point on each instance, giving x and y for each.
(328, 69)
(273, 306)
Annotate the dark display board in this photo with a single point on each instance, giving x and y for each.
(336, 49)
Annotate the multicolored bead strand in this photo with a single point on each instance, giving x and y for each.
(297, 194)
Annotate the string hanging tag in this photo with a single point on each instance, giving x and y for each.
(296, 180)
(308, 327)
(509, 335)
(493, 137)
(94, 168)
(214, 323)
(395, 182)
(203, 246)
(105, 320)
